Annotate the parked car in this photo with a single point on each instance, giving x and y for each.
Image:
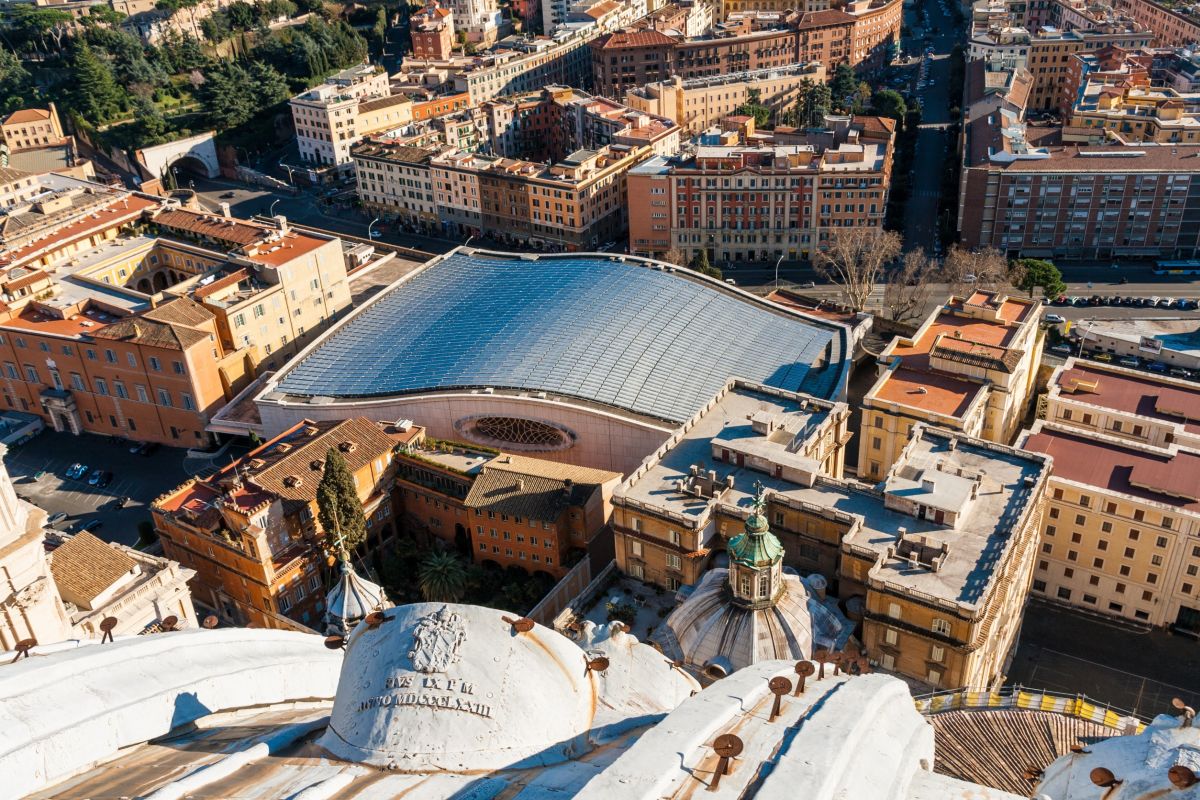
(77, 471)
(120, 502)
(149, 449)
(94, 478)
(1103, 357)
(1166, 302)
(228, 195)
(1129, 361)
(136, 447)
(1157, 366)
(86, 525)
(1061, 349)
(1055, 318)
(56, 518)
(105, 479)
(1180, 372)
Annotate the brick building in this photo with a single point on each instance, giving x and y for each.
(432, 32)
(758, 200)
(510, 510)
(863, 35)
(1172, 27)
(251, 531)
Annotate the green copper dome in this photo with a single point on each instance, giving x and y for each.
(757, 547)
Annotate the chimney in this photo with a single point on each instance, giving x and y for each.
(225, 211)
(520, 484)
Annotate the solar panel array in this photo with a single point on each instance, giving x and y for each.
(621, 334)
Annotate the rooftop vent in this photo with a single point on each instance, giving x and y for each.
(315, 465)
(293, 481)
(311, 430)
(347, 447)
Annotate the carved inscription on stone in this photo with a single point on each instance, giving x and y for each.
(431, 691)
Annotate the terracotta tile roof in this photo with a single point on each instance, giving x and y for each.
(27, 115)
(820, 19)
(151, 333)
(622, 39)
(84, 567)
(180, 311)
(988, 356)
(533, 488)
(225, 229)
(1151, 476)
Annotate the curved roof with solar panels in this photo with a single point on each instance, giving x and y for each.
(624, 332)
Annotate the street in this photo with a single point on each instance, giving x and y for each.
(933, 146)
(141, 478)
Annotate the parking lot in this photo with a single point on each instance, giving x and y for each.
(140, 478)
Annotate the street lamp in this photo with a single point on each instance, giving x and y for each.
(271, 212)
(1083, 336)
(369, 236)
(468, 241)
(777, 263)
(289, 172)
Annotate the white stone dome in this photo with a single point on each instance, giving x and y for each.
(351, 599)
(445, 687)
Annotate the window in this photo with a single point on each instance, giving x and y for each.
(674, 537)
(894, 610)
(1161, 541)
(1129, 551)
(1116, 607)
(101, 387)
(674, 561)
(1156, 560)
(1133, 534)
(1039, 586)
(132, 359)
(77, 382)
(31, 374)
(1064, 593)
(285, 602)
(890, 636)
(164, 398)
(155, 365)
(941, 626)
(1051, 530)
(1094, 580)
(188, 403)
(120, 390)
(178, 367)
(1098, 563)
(141, 394)
(636, 522)
(937, 653)
(1090, 599)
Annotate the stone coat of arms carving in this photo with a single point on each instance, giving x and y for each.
(437, 640)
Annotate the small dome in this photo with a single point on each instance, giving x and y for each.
(442, 687)
(757, 547)
(711, 631)
(351, 599)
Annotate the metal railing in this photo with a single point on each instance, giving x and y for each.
(1019, 697)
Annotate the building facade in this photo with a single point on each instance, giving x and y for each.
(31, 128)
(970, 367)
(742, 200)
(1122, 531)
(251, 532)
(1172, 26)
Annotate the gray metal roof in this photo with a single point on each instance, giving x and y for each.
(623, 334)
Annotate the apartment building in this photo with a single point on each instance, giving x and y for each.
(576, 201)
(1120, 98)
(861, 34)
(740, 198)
(31, 128)
(331, 118)
(1122, 530)
(909, 551)
(509, 510)
(514, 65)
(971, 367)
(1173, 26)
(480, 20)
(1051, 50)
(432, 32)
(1027, 193)
(251, 531)
(700, 103)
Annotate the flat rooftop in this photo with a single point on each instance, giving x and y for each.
(935, 392)
(618, 331)
(975, 544)
(1170, 479)
(1129, 392)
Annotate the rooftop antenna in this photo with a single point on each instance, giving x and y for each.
(728, 747)
(23, 647)
(107, 624)
(779, 686)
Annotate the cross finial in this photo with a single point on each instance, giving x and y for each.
(760, 498)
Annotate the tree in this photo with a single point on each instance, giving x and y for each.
(855, 259)
(31, 24)
(966, 269)
(1031, 273)
(675, 256)
(104, 15)
(150, 126)
(815, 104)
(844, 86)
(909, 287)
(754, 108)
(442, 577)
(889, 103)
(700, 264)
(338, 508)
(95, 94)
(16, 84)
(269, 85)
(862, 98)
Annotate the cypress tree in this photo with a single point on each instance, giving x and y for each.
(338, 506)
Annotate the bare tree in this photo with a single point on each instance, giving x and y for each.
(910, 286)
(675, 256)
(968, 269)
(856, 259)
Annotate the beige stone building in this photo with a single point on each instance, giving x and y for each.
(1122, 528)
(970, 367)
(31, 128)
(936, 561)
(333, 117)
(700, 103)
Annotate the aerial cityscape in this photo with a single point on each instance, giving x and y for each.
(537, 399)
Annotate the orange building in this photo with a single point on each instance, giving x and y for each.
(432, 32)
(511, 510)
(251, 531)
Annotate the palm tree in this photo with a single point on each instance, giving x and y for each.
(442, 577)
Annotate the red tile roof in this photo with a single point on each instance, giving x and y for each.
(1159, 478)
(634, 39)
(1145, 395)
